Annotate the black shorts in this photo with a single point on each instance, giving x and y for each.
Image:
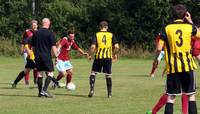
(30, 64)
(178, 83)
(104, 64)
(44, 65)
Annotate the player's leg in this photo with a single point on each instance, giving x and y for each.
(92, 83)
(69, 76)
(35, 76)
(60, 76)
(162, 101)
(39, 82)
(192, 104)
(107, 65)
(109, 85)
(169, 105)
(189, 88)
(96, 67)
(173, 88)
(47, 81)
(20, 76)
(184, 99)
(27, 77)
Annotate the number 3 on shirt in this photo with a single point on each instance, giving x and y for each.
(104, 39)
(180, 42)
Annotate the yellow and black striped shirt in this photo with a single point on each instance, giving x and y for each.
(104, 41)
(176, 38)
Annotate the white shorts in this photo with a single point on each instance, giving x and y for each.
(161, 55)
(63, 65)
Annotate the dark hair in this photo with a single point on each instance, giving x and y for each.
(34, 21)
(196, 21)
(71, 31)
(179, 11)
(103, 24)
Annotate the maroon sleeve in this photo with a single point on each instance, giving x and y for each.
(75, 46)
(64, 42)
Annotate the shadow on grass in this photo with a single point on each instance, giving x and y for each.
(73, 95)
(139, 75)
(2, 94)
(5, 83)
(10, 88)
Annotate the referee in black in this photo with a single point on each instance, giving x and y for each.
(43, 43)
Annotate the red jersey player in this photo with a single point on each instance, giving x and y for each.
(63, 60)
(196, 41)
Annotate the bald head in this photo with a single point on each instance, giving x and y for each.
(45, 23)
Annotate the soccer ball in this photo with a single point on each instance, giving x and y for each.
(71, 86)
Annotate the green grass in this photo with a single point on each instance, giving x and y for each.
(134, 92)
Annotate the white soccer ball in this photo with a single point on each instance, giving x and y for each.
(71, 86)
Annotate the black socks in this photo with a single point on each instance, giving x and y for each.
(169, 108)
(19, 77)
(192, 107)
(92, 82)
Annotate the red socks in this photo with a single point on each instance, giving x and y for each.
(162, 101)
(69, 78)
(27, 77)
(184, 104)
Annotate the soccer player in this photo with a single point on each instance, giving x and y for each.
(30, 64)
(106, 47)
(43, 43)
(196, 41)
(158, 59)
(176, 39)
(28, 34)
(63, 60)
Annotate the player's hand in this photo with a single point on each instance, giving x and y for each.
(114, 58)
(86, 54)
(188, 17)
(89, 57)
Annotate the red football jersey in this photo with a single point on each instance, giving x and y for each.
(27, 34)
(66, 46)
(195, 43)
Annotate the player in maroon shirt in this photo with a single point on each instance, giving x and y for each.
(63, 60)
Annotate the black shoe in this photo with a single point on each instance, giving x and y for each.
(40, 95)
(14, 85)
(91, 94)
(46, 94)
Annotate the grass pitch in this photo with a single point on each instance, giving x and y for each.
(134, 92)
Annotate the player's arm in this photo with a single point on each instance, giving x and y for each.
(92, 47)
(115, 49)
(92, 51)
(54, 49)
(195, 31)
(83, 52)
(159, 47)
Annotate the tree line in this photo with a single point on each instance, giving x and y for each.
(134, 22)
